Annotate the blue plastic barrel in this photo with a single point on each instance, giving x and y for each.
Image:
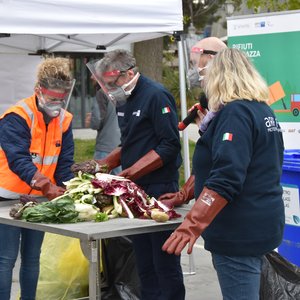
(290, 180)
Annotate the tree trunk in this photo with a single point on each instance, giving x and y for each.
(149, 58)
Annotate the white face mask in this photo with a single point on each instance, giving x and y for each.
(51, 108)
(194, 77)
(119, 94)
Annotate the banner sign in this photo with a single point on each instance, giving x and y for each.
(272, 41)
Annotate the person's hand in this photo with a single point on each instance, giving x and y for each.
(89, 166)
(42, 183)
(145, 165)
(52, 191)
(185, 194)
(179, 239)
(205, 209)
(129, 173)
(172, 199)
(200, 113)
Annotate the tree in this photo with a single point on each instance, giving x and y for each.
(200, 13)
(273, 5)
(149, 57)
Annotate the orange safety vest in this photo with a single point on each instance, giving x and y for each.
(44, 149)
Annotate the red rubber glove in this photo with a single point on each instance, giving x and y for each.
(42, 183)
(205, 209)
(184, 195)
(145, 165)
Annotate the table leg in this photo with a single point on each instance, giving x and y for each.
(91, 251)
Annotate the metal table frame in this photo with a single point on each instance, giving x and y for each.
(91, 233)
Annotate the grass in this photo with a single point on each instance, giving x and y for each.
(84, 150)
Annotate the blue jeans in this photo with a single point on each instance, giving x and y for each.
(239, 276)
(160, 273)
(31, 241)
(101, 155)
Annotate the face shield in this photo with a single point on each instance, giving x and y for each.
(108, 82)
(54, 95)
(195, 72)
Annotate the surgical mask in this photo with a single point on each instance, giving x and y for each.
(119, 94)
(194, 77)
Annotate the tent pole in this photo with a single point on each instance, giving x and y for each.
(185, 138)
(182, 84)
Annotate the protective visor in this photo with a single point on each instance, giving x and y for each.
(195, 55)
(106, 79)
(55, 94)
(195, 74)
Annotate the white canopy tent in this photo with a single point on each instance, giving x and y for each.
(45, 26)
(30, 26)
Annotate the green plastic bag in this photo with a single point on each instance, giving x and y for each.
(63, 269)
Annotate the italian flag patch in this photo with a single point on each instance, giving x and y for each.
(227, 136)
(166, 110)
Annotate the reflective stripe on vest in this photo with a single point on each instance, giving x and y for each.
(48, 160)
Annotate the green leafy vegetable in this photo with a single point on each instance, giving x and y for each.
(57, 211)
(101, 217)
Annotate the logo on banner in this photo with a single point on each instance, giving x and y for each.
(260, 24)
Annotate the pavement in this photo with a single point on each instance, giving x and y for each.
(199, 275)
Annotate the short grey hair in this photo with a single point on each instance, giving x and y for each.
(119, 59)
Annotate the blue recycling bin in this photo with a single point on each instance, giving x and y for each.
(290, 181)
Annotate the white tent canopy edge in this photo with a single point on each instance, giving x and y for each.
(41, 26)
(33, 26)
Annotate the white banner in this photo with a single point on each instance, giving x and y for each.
(264, 23)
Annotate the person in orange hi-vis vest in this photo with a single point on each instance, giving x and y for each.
(36, 154)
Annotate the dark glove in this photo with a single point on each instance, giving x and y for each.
(89, 166)
(42, 183)
(145, 165)
(205, 209)
(184, 195)
(27, 198)
(105, 165)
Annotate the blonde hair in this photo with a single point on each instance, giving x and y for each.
(231, 76)
(53, 70)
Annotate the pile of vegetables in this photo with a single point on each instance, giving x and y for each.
(97, 198)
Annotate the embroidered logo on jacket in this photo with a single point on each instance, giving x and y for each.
(166, 110)
(137, 113)
(272, 124)
(227, 136)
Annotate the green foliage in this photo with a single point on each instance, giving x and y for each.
(171, 82)
(273, 5)
(200, 13)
